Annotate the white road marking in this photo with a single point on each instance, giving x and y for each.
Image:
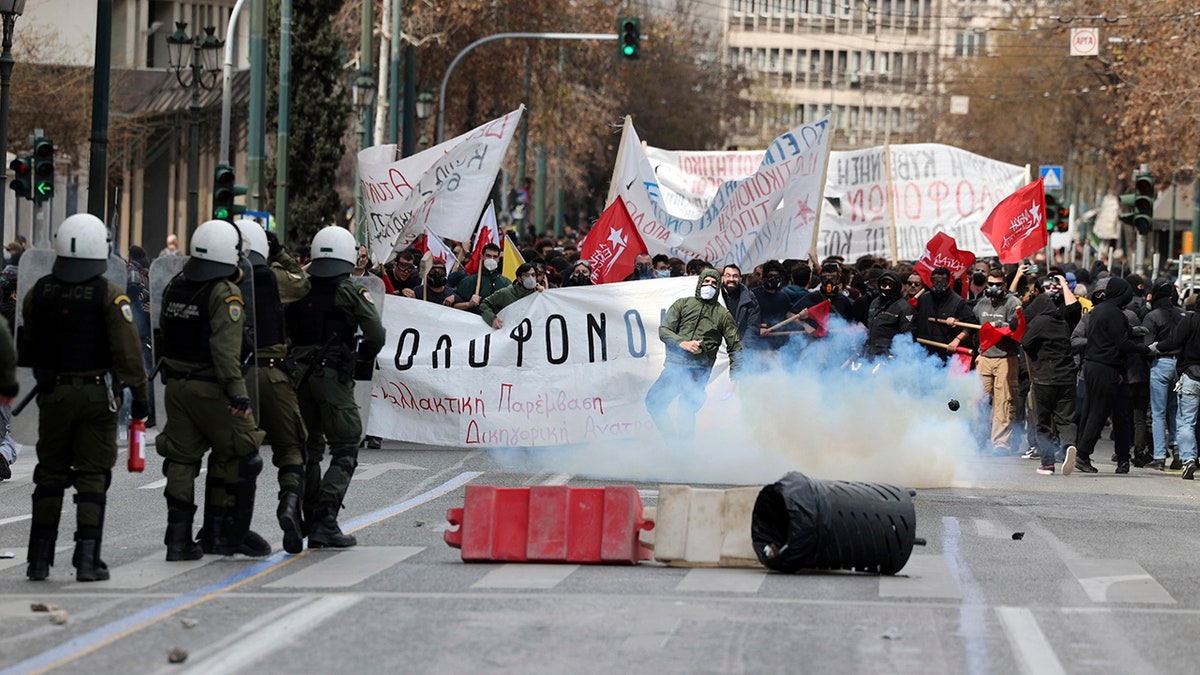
(1118, 581)
(525, 575)
(369, 471)
(15, 519)
(558, 479)
(924, 576)
(162, 482)
(986, 528)
(146, 572)
(59, 553)
(721, 580)
(1033, 650)
(347, 568)
(266, 638)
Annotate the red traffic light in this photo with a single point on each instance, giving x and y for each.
(19, 166)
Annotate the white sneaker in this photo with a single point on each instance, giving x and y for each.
(1069, 461)
(1032, 453)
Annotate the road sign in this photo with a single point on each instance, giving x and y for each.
(1085, 42)
(1052, 176)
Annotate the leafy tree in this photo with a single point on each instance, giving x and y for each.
(318, 115)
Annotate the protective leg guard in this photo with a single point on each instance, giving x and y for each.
(312, 489)
(180, 545)
(288, 514)
(238, 533)
(325, 532)
(88, 565)
(41, 553)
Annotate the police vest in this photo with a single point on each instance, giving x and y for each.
(72, 334)
(268, 310)
(186, 325)
(314, 320)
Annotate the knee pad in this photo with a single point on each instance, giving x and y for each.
(92, 481)
(99, 498)
(168, 463)
(250, 466)
(47, 492)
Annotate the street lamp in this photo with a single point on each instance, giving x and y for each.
(9, 11)
(424, 109)
(364, 100)
(202, 62)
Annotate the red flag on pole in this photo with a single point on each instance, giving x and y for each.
(942, 251)
(612, 245)
(990, 336)
(819, 313)
(1017, 226)
(489, 233)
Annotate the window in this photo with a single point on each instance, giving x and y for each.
(970, 43)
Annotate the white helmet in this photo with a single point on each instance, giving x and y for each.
(254, 241)
(82, 247)
(334, 252)
(216, 249)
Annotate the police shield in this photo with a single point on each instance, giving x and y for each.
(372, 283)
(39, 262)
(162, 271)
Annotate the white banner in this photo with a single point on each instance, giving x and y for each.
(936, 187)
(433, 189)
(769, 214)
(570, 365)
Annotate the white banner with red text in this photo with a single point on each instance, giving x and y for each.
(569, 365)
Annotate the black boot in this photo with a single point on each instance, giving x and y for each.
(288, 514)
(312, 490)
(180, 545)
(88, 565)
(212, 537)
(41, 554)
(324, 531)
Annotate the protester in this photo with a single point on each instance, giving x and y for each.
(528, 283)
(1164, 315)
(997, 366)
(941, 303)
(741, 303)
(693, 330)
(1047, 344)
(888, 315)
(473, 288)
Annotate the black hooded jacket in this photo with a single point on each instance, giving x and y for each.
(887, 317)
(1047, 340)
(1163, 316)
(1109, 339)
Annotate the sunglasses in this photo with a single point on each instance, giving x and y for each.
(995, 284)
(913, 283)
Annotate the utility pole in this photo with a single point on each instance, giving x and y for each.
(98, 158)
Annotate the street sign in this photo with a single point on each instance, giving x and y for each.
(1085, 42)
(1052, 176)
(960, 105)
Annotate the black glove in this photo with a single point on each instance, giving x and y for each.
(139, 410)
(1140, 331)
(240, 404)
(273, 247)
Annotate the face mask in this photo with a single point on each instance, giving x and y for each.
(437, 279)
(890, 292)
(529, 282)
(1056, 296)
(940, 288)
(490, 264)
(979, 278)
(580, 276)
(994, 292)
(643, 268)
(664, 274)
(708, 292)
(773, 283)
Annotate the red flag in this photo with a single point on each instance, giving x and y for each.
(612, 245)
(820, 314)
(1017, 226)
(942, 251)
(489, 233)
(990, 336)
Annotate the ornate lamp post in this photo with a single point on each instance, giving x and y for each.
(202, 60)
(364, 102)
(9, 11)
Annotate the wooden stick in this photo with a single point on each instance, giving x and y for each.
(963, 324)
(961, 350)
(790, 319)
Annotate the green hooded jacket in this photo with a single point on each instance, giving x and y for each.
(705, 320)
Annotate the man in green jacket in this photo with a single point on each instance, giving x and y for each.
(528, 283)
(692, 330)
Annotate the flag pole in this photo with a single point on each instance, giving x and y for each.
(891, 202)
(614, 182)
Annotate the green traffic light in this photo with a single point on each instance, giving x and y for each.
(44, 188)
(221, 213)
(628, 50)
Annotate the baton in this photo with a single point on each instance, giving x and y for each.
(972, 326)
(25, 401)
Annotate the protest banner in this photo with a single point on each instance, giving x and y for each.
(571, 365)
(440, 189)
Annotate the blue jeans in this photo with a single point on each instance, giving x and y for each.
(687, 383)
(1189, 403)
(1163, 404)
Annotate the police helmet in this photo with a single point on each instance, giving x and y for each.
(334, 252)
(216, 248)
(254, 241)
(82, 247)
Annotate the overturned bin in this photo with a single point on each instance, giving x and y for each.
(802, 523)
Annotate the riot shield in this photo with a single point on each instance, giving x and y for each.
(250, 334)
(162, 270)
(374, 286)
(38, 262)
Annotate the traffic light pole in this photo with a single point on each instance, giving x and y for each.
(441, 112)
(6, 68)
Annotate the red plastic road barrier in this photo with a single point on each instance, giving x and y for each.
(549, 523)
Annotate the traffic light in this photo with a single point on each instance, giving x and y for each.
(22, 182)
(43, 169)
(1140, 203)
(629, 37)
(1053, 207)
(224, 193)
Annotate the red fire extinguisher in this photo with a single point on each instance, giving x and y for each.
(137, 437)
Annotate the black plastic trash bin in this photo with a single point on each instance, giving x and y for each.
(802, 523)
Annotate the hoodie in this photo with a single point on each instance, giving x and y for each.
(1109, 339)
(1164, 315)
(1047, 340)
(887, 317)
(708, 321)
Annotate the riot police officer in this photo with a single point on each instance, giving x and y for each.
(323, 327)
(206, 399)
(278, 281)
(78, 329)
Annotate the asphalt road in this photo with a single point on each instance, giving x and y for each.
(1100, 581)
